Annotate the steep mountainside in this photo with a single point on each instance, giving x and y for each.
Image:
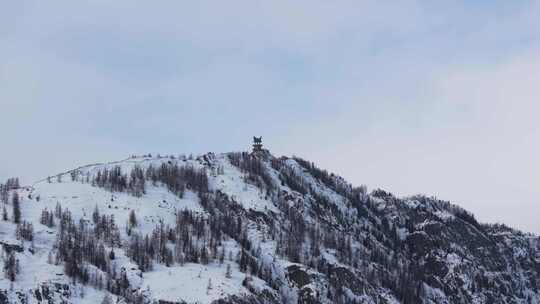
(248, 228)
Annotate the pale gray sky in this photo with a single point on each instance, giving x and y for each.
(412, 96)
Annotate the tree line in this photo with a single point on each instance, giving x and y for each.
(176, 178)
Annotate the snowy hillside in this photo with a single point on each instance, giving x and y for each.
(248, 228)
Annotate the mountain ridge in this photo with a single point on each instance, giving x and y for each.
(302, 235)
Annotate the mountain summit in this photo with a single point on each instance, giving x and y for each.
(248, 228)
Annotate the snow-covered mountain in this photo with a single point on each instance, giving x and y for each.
(248, 228)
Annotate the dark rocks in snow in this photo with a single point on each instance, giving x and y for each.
(298, 276)
(4, 297)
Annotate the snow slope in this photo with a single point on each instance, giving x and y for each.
(310, 241)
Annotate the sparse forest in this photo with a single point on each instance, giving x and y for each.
(341, 243)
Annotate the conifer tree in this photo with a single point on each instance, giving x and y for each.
(132, 219)
(16, 208)
(10, 267)
(228, 273)
(4, 213)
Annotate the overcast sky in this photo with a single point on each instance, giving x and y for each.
(433, 97)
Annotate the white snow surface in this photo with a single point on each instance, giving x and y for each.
(232, 184)
(158, 204)
(190, 282)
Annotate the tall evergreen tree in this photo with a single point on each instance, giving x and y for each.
(4, 213)
(10, 267)
(16, 208)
